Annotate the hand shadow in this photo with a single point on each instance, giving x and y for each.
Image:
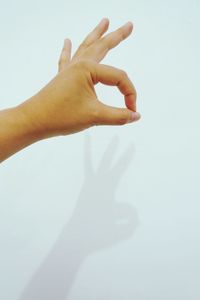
(98, 222)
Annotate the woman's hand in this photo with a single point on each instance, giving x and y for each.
(69, 103)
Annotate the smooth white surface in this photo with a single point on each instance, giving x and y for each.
(131, 231)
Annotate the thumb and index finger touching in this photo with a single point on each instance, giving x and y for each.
(115, 77)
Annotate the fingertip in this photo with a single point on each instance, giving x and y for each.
(105, 20)
(135, 116)
(129, 25)
(104, 23)
(67, 42)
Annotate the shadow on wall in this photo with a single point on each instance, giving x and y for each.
(98, 222)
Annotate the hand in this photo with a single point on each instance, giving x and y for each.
(69, 103)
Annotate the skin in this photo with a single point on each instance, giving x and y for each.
(69, 103)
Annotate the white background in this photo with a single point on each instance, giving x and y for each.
(111, 212)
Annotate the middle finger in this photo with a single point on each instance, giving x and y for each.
(99, 49)
(93, 36)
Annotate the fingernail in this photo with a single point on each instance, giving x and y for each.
(129, 24)
(66, 41)
(104, 20)
(135, 116)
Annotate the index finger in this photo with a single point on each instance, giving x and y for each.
(115, 77)
(96, 33)
(101, 47)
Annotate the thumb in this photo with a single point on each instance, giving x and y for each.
(110, 115)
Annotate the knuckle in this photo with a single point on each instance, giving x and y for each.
(123, 74)
(83, 63)
(81, 46)
(85, 43)
(123, 119)
(61, 61)
(86, 64)
(121, 34)
(105, 42)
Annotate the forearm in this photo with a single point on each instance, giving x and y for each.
(17, 131)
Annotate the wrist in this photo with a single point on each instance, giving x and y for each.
(29, 132)
(16, 132)
(31, 114)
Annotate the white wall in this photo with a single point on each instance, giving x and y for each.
(111, 212)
